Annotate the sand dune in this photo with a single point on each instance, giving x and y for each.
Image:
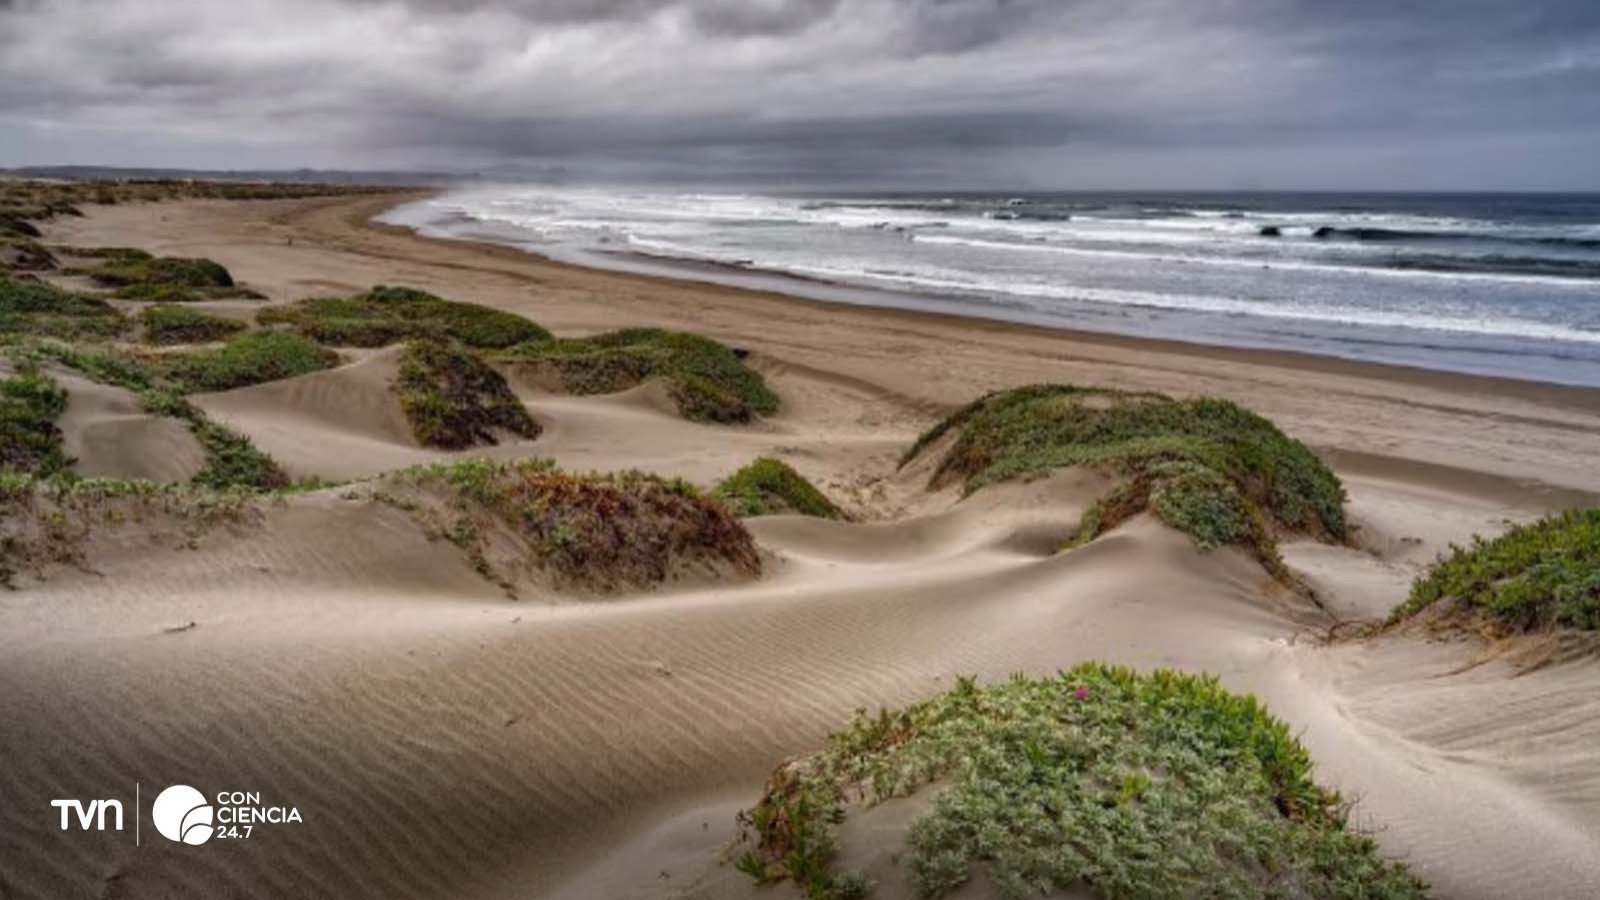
(441, 740)
(339, 423)
(345, 664)
(109, 434)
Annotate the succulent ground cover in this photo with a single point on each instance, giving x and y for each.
(599, 531)
(707, 381)
(389, 315)
(168, 324)
(1535, 577)
(770, 486)
(38, 309)
(138, 275)
(30, 441)
(1208, 467)
(254, 357)
(454, 400)
(1100, 780)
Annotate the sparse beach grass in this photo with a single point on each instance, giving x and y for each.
(1535, 577)
(1130, 785)
(46, 521)
(1208, 467)
(389, 315)
(707, 381)
(769, 486)
(600, 531)
(454, 400)
(167, 324)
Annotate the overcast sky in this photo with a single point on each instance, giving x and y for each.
(1493, 94)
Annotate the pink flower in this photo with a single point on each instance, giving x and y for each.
(1082, 693)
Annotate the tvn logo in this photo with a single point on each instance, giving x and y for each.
(90, 817)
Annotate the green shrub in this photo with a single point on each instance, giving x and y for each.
(1534, 577)
(251, 358)
(165, 323)
(30, 441)
(771, 486)
(455, 400)
(596, 531)
(160, 293)
(126, 270)
(1134, 786)
(232, 462)
(43, 310)
(114, 253)
(1220, 473)
(388, 315)
(708, 381)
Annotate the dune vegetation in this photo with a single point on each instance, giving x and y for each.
(34, 308)
(1130, 785)
(232, 461)
(1536, 577)
(127, 269)
(591, 532)
(20, 249)
(1208, 467)
(770, 486)
(21, 254)
(132, 274)
(254, 357)
(26, 204)
(30, 441)
(389, 315)
(46, 521)
(707, 381)
(167, 324)
(41, 199)
(454, 400)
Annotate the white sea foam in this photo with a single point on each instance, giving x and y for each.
(1345, 315)
(1346, 271)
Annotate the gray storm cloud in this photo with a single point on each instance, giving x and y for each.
(1228, 93)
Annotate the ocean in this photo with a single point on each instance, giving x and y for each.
(1495, 284)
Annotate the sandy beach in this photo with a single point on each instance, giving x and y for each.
(443, 740)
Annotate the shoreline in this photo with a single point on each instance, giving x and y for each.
(1581, 396)
(1207, 286)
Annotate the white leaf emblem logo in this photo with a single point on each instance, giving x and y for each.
(182, 814)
